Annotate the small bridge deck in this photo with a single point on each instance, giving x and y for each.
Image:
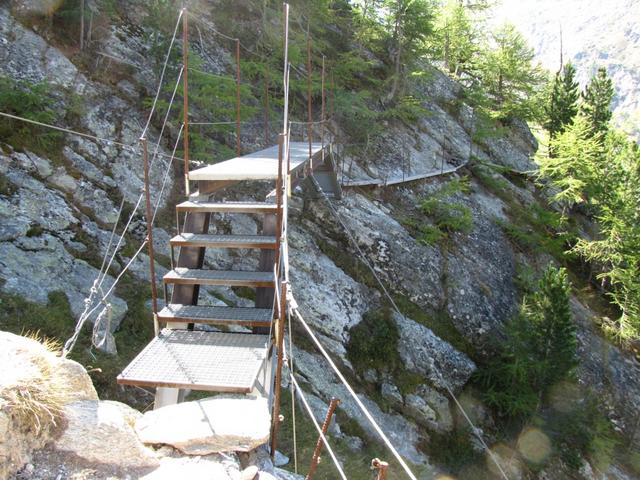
(261, 165)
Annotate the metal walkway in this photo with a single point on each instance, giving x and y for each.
(262, 165)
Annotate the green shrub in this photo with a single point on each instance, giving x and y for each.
(454, 450)
(32, 101)
(584, 430)
(373, 343)
(6, 187)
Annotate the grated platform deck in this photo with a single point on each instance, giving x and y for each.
(211, 361)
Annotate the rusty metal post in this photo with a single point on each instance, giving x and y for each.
(279, 196)
(377, 464)
(332, 97)
(238, 96)
(152, 267)
(276, 420)
(185, 96)
(266, 106)
(315, 460)
(309, 112)
(322, 119)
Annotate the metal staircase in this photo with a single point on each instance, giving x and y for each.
(184, 354)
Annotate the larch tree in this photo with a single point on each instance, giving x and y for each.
(409, 23)
(509, 77)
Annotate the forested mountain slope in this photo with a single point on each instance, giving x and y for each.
(594, 34)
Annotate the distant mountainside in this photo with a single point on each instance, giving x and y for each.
(595, 33)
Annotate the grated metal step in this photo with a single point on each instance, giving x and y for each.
(211, 361)
(223, 241)
(227, 207)
(248, 317)
(188, 276)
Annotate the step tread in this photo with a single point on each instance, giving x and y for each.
(245, 316)
(219, 277)
(226, 241)
(211, 361)
(229, 207)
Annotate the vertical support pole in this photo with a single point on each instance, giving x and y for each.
(238, 96)
(266, 106)
(322, 108)
(315, 460)
(309, 112)
(275, 427)
(152, 268)
(381, 466)
(275, 419)
(279, 196)
(285, 71)
(185, 96)
(332, 98)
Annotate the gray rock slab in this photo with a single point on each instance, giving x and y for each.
(213, 425)
(423, 352)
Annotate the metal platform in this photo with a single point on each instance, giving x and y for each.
(190, 276)
(244, 316)
(223, 241)
(219, 362)
(227, 207)
(262, 165)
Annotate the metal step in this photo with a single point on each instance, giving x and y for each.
(223, 241)
(188, 276)
(244, 316)
(211, 361)
(227, 207)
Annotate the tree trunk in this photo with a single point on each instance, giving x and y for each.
(81, 25)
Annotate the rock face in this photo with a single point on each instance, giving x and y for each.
(214, 425)
(425, 353)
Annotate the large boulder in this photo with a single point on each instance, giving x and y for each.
(35, 386)
(213, 425)
(102, 431)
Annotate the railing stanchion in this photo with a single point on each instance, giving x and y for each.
(309, 112)
(147, 197)
(238, 149)
(185, 96)
(315, 460)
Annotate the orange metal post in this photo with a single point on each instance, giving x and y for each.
(147, 197)
(238, 96)
(325, 428)
(275, 427)
(322, 119)
(266, 106)
(309, 112)
(381, 467)
(185, 96)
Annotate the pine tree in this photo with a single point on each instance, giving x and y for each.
(563, 103)
(553, 332)
(540, 349)
(596, 102)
